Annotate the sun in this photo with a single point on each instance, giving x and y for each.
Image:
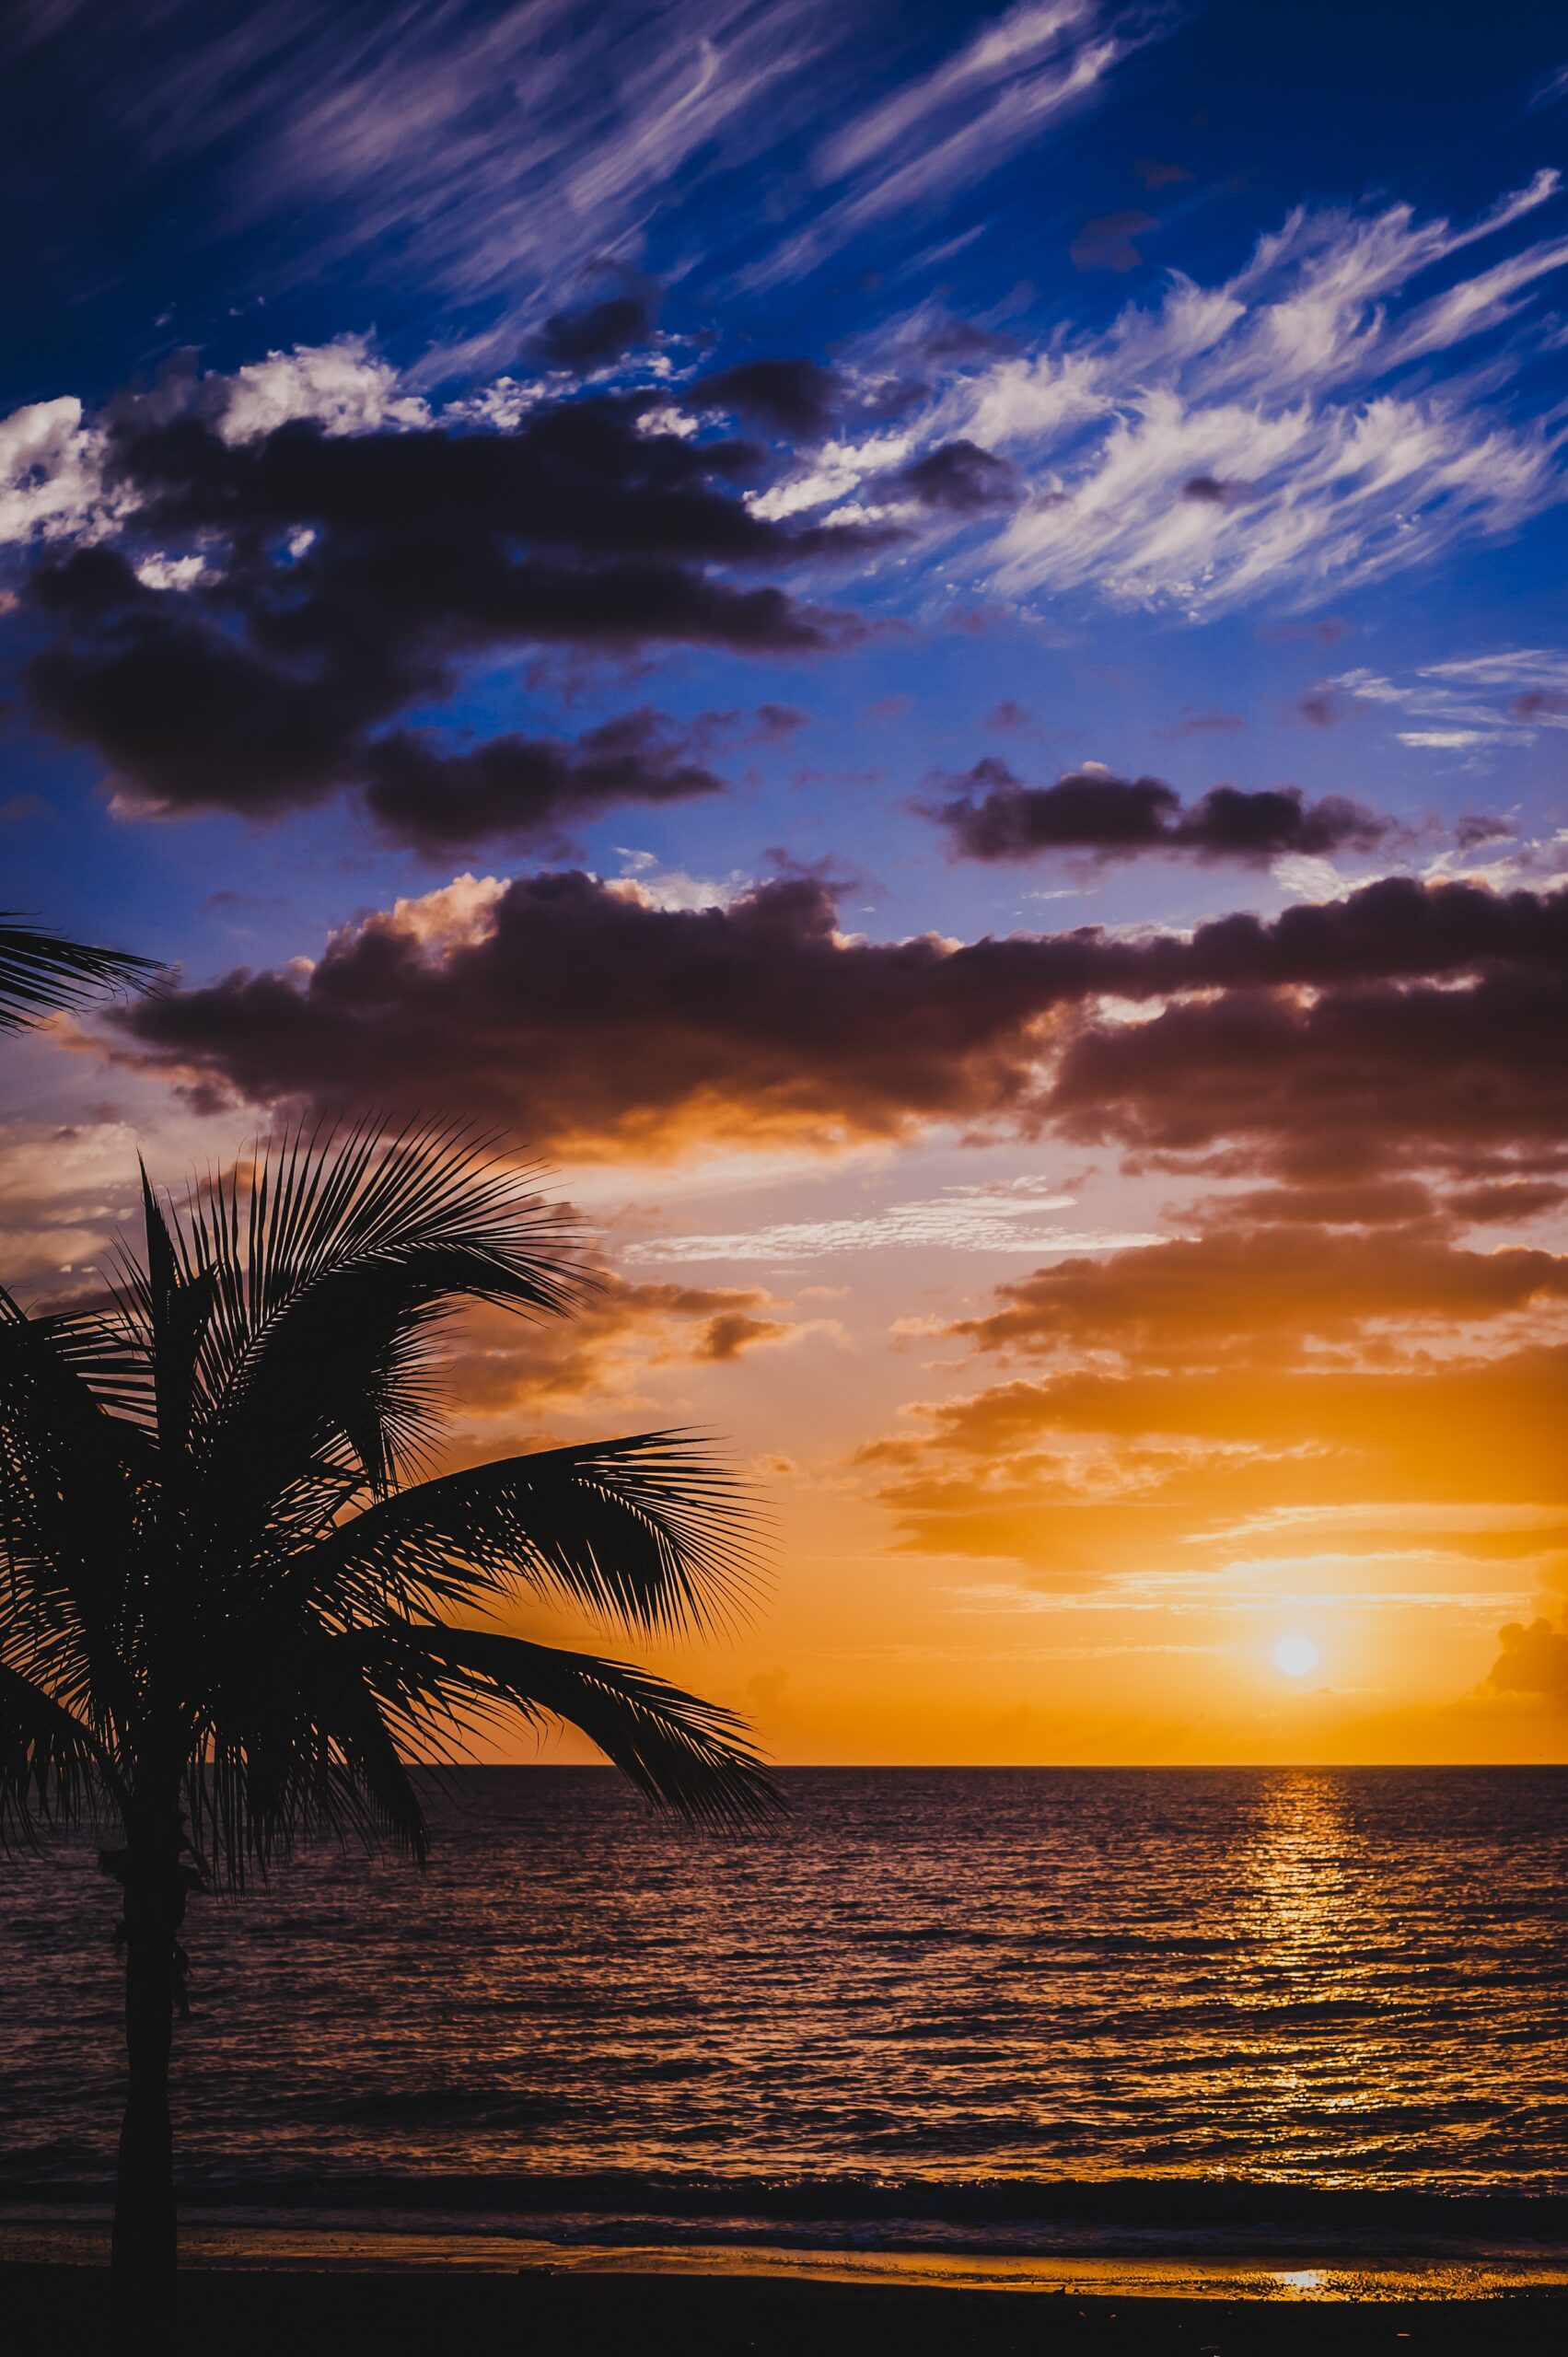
(1295, 1656)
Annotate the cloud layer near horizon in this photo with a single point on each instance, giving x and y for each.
(1255, 1404)
(1404, 1025)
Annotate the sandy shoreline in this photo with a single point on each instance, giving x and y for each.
(235, 2244)
(263, 2311)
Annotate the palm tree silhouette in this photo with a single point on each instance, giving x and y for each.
(40, 971)
(226, 1610)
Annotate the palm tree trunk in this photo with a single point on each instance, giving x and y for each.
(144, 2245)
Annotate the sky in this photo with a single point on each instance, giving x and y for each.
(922, 649)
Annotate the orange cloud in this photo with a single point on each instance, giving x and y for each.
(1225, 1294)
(1534, 1660)
(1087, 1472)
(621, 1334)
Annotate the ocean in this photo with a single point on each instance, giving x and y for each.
(1299, 2021)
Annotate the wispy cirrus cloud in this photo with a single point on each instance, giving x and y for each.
(960, 1219)
(957, 123)
(1499, 698)
(498, 153)
(1286, 432)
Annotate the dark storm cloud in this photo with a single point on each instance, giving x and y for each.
(188, 715)
(1000, 817)
(1395, 930)
(527, 789)
(1361, 1077)
(792, 397)
(584, 1015)
(960, 479)
(587, 1017)
(1373, 1202)
(348, 577)
(601, 331)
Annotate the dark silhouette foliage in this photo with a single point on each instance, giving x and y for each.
(41, 972)
(229, 1609)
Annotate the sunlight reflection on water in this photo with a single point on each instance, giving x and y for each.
(990, 1985)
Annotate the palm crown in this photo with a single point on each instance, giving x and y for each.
(228, 1611)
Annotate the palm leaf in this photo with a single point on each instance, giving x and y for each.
(41, 972)
(680, 1752)
(299, 1747)
(75, 1458)
(646, 1529)
(53, 1767)
(336, 1256)
(182, 1571)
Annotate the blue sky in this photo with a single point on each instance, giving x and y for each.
(794, 180)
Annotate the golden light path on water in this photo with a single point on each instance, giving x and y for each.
(1053, 2027)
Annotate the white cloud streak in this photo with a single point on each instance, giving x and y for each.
(52, 481)
(1267, 436)
(960, 1219)
(954, 125)
(344, 386)
(498, 153)
(1502, 698)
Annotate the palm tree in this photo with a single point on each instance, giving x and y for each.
(227, 1612)
(40, 971)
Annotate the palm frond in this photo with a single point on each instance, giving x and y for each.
(178, 1300)
(647, 1530)
(53, 1767)
(314, 1202)
(98, 1361)
(297, 1747)
(335, 1257)
(681, 1753)
(75, 1462)
(42, 971)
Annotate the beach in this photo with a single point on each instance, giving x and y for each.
(257, 2312)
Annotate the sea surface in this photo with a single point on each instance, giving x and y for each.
(1037, 2019)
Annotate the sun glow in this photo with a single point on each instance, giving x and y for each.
(1295, 1656)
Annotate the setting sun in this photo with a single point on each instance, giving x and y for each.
(1296, 1656)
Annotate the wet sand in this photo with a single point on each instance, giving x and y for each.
(297, 2314)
